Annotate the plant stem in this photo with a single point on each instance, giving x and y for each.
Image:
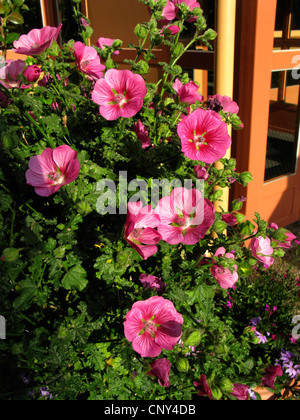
(45, 135)
(11, 241)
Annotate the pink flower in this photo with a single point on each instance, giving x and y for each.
(224, 276)
(119, 94)
(161, 369)
(106, 42)
(201, 173)
(171, 10)
(142, 134)
(84, 22)
(203, 387)
(32, 73)
(188, 93)
(225, 103)
(288, 236)
(10, 74)
(271, 372)
(52, 169)
(88, 60)
(153, 325)
(204, 136)
(261, 250)
(240, 392)
(140, 230)
(37, 40)
(170, 30)
(230, 219)
(152, 282)
(185, 216)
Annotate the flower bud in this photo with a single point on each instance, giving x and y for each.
(226, 385)
(194, 338)
(183, 365)
(140, 31)
(216, 393)
(10, 255)
(32, 73)
(10, 140)
(83, 208)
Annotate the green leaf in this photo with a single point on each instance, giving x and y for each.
(11, 37)
(75, 279)
(28, 291)
(15, 18)
(18, 3)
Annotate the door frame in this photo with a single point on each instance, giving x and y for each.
(277, 200)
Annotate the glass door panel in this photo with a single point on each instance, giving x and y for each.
(283, 130)
(287, 25)
(295, 21)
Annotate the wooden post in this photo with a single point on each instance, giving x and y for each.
(224, 66)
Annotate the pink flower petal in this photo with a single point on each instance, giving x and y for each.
(36, 179)
(145, 345)
(168, 335)
(62, 156)
(72, 171)
(170, 234)
(110, 112)
(43, 163)
(46, 191)
(134, 324)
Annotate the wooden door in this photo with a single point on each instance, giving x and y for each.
(267, 89)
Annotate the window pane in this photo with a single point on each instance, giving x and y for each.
(69, 29)
(32, 17)
(279, 15)
(295, 24)
(283, 133)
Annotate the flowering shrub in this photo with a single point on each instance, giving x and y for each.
(112, 288)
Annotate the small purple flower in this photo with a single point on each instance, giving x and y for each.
(45, 392)
(25, 379)
(262, 338)
(286, 356)
(255, 321)
(251, 394)
(241, 199)
(231, 180)
(291, 370)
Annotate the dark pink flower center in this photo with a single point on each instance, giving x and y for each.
(84, 64)
(55, 177)
(120, 99)
(149, 327)
(199, 140)
(135, 235)
(35, 45)
(183, 221)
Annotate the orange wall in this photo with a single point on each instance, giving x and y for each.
(116, 19)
